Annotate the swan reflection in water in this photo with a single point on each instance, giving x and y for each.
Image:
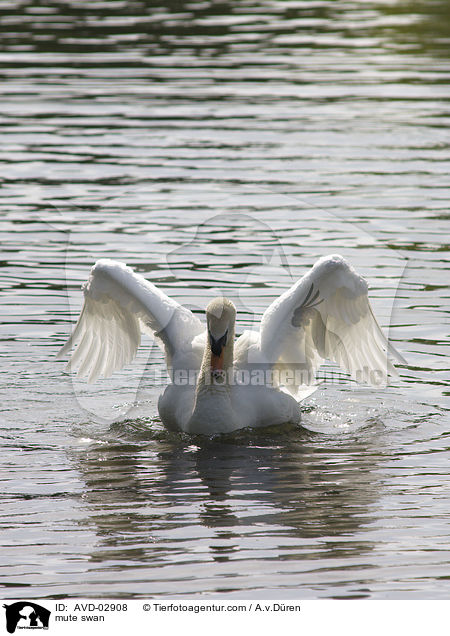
(185, 505)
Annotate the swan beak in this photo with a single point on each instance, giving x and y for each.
(217, 349)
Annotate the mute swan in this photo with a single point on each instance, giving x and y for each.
(218, 385)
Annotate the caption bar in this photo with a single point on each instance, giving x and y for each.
(145, 616)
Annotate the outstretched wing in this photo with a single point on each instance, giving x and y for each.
(118, 305)
(327, 315)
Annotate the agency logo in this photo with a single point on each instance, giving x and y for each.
(26, 615)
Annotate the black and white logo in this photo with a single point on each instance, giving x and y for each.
(26, 615)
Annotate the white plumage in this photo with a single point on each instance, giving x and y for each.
(217, 384)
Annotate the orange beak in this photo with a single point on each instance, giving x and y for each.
(217, 362)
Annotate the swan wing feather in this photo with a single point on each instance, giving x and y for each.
(118, 306)
(327, 315)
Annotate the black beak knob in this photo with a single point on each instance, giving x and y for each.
(218, 345)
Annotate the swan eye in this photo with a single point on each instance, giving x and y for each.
(218, 345)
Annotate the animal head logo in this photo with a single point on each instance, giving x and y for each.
(25, 614)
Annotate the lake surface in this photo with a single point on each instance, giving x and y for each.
(222, 147)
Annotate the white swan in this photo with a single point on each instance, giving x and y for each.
(217, 385)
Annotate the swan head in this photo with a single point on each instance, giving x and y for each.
(220, 318)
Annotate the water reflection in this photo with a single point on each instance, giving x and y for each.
(144, 28)
(415, 27)
(297, 486)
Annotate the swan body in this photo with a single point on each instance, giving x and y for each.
(219, 385)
